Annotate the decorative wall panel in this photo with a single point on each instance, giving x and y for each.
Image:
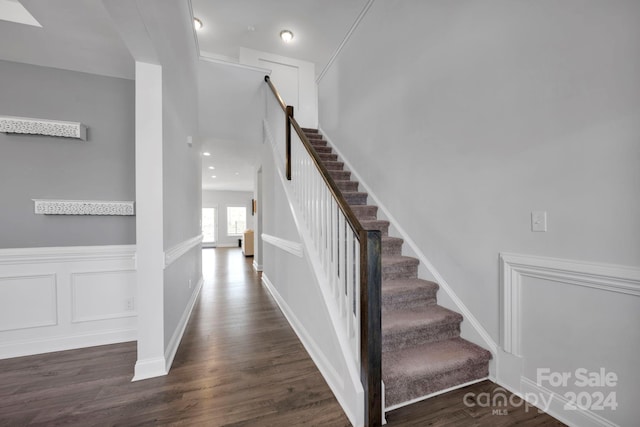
(83, 207)
(30, 126)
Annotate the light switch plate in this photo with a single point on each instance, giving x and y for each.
(539, 221)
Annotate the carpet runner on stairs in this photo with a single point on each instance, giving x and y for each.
(422, 351)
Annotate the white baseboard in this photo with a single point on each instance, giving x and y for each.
(227, 245)
(540, 397)
(256, 266)
(174, 343)
(71, 342)
(149, 368)
(335, 382)
(437, 393)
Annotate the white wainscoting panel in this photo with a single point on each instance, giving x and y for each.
(566, 319)
(61, 298)
(101, 295)
(28, 302)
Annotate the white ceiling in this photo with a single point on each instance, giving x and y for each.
(75, 35)
(79, 35)
(319, 26)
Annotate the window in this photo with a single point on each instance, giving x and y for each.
(236, 220)
(208, 225)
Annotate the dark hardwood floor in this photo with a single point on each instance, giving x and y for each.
(239, 364)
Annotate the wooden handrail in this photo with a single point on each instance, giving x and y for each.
(370, 274)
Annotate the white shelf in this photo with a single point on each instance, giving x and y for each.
(82, 207)
(9, 124)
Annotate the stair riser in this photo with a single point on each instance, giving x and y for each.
(365, 212)
(421, 335)
(355, 199)
(313, 136)
(318, 142)
(399, 391)
(347, 185)
(334, 166)
(340, 175)
(392, 247)
(399, 272)
(328, 157)
(407, 302)
(320, 149)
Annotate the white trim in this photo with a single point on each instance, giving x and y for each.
(461, 307)
(256, 266)
(193, 29)
(263, 71)
(149, 368)
(83, 207)
(71, 342)
(429, 396)
(294, 248)
(174, 343)
(605, 277)
(334, 380)
(31, 126)
(335, 54)
(577, 417)
(175, 252)
(67, 254)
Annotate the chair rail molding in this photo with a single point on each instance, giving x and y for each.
(31, 126)
(83, 207)
(294, 248)
(513, 267)
(175, 252)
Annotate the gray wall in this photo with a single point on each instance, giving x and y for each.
(40, 167)
(221, 200)
(481, 112)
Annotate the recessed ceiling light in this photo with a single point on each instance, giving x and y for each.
(237, 173)
(286, 36)
(211, 167)
(197, 24)
(206, 153)
(213, 176)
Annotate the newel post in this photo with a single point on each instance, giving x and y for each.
(371, 324)
(289, 115)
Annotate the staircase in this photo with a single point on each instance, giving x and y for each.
(422, 351)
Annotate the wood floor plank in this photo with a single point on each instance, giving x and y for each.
(239, 364)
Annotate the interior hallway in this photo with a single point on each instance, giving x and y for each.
(239, 363)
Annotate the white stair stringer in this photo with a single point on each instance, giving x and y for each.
(353, 405)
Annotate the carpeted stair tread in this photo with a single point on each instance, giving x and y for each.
(318, 142)
(322, 149)
(376, 224)
(311, 136)
(421, 370)
(398, 266)
(309, 130)
(420, 325)
(345, 185)
(340, 175)
(333, 165)
(355, 197)
(365, 211)
(328, 157)
(401, 294)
